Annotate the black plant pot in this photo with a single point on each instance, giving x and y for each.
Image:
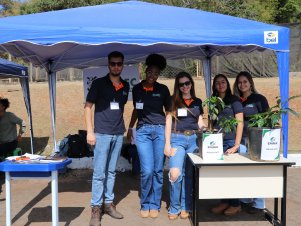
(254, 144)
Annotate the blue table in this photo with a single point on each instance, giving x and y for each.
(33, 171)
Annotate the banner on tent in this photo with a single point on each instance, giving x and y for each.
(129, 73)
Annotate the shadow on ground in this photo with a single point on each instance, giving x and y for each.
(39, 143)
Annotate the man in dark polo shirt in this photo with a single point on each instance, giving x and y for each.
(109, 94)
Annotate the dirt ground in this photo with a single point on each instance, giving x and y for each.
(70, 103)
(31, 203)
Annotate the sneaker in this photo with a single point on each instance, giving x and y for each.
(144, 213)
(220, 208)
(184, 214)
(232, 210)
(254, 210)
(95, 216)
(154, 213)
(110, 209)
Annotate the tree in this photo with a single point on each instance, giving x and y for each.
(289, 11)
(36, 6)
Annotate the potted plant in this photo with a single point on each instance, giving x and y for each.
(264, 132)
(211, 140)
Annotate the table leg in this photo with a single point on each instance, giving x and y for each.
(8, 199)
(54, 194)
(194, 197)
(197, 196)
(283, 200)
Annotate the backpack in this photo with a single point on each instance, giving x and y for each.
(77, 146)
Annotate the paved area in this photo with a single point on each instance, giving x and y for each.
(31, 203)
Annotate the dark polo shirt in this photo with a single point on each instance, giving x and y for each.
(232, 107)
(153, 103)
(255, 103)
(189, 122)
(102, 93)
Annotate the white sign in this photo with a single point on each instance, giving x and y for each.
(270, 37)
(270, 145)
(129, 74)
(212, 148)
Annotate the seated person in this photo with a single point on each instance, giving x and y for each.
(8, 132)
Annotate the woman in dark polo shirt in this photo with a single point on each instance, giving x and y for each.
(231, 141)
(183, 119)
(252, 103)
(150, 98)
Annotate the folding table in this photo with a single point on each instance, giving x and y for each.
(14, 170)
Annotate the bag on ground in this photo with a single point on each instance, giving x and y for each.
(77, 147)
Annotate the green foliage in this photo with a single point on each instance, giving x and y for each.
(271, 118)
(269, 11)
(215, 106)
(36, 6)
(228, 124)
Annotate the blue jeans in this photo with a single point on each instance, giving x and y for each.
(106, 154)
(258, 203)
(181, 189)
(150, 146)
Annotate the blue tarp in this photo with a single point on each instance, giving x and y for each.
(9, 69)
(82, 37)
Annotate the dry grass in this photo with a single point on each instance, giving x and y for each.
(70, 103)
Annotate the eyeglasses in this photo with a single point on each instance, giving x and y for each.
(188, 83)
(113, 64)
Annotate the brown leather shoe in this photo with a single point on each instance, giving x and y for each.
(144, 213)
(110, 209)
(154, 213)
(220, 208)
(95, 216)
(184, 214)
(232, 210)
(172, 216)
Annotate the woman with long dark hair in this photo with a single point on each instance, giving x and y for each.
(183, 120)
(231, 141)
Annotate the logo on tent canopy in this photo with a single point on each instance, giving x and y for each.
(271, 37)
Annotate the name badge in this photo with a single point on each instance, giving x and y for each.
(114, 106)
(139, 106)
(182, 112)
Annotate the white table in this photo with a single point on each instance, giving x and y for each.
(239, 177)
(33, 171)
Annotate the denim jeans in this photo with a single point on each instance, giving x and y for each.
(150, 146)
(258, 203)
(106, 154)
(181, 189)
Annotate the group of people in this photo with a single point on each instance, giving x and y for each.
(166, 127)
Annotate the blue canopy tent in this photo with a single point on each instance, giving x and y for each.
(10, 69)
(82, 37)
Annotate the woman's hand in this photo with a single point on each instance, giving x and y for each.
(91, 138)
(167, 150)
(232, 150)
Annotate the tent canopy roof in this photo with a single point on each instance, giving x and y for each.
(10, 69)
(82, 37)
